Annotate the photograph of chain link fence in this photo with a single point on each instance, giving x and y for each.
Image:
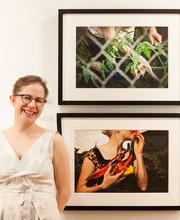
(121, 57)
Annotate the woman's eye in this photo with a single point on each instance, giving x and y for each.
(39, 100)
(27, 98)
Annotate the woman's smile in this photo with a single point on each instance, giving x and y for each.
(29, 113)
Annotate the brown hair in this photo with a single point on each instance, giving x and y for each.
(107, 132)
(28, 80)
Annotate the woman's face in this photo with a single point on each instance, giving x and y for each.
(27, 109)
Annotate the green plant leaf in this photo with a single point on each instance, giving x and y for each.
(147, 52)
(94, 81)
(109, 65)
(86, 74)
(127, 68)
(145, 47)
(102, 72)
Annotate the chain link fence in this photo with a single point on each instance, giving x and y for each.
(121, 62)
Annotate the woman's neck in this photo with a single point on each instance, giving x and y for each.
(115, 145)
(115, 142)
(23, 128)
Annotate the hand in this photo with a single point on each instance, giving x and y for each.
(111, 179)
(139, 144)
(108, 32)
(143, 66)
(154, 37)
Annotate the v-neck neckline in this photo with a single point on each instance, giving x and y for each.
(27, 151)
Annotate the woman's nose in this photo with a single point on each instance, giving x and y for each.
(32, 103)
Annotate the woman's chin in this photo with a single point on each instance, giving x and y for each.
(28, 118)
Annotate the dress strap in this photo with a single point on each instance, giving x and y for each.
(51, 143)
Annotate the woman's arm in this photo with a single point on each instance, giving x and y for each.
(61, 171)
(140, 169)
(87, 169)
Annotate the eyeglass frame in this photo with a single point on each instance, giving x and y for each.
(40, 101)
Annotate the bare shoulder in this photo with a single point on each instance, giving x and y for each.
(59, 144)
(60, 154)
(58, 139)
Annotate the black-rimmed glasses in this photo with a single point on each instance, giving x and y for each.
(28, 99)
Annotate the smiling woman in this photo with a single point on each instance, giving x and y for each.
(31, 158)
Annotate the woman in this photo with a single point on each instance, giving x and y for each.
(34, 170)
(103, 157)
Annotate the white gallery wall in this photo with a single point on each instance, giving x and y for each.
(29, 45)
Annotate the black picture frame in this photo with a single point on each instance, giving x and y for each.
(68, 123)
(95, 100)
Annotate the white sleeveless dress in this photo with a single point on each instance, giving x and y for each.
(27, 187)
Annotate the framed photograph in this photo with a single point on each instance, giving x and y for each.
(109, 56)
(123, 161)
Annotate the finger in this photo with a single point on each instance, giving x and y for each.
(121, 178)
(139, 140)
(151, 39)
(119, 174)
(140, 137)
(156, 43)
(159, 38)
(136, 139)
